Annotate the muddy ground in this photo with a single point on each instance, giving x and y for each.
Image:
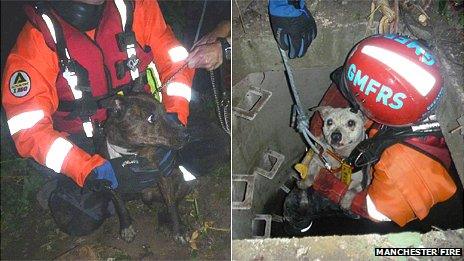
(29, 232)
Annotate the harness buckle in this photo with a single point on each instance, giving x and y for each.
(129, 64)
(133, 63)
(125, 39)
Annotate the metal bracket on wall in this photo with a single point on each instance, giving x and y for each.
(261, 226)
(252, 103)
(242, 191)
(270, 164)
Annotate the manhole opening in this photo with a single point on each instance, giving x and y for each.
(239, 191)
(250, 101)
(258, 227)
(268, 162)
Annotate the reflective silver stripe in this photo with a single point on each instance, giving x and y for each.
(179, 89)
(25, 120)
(418, 77)
(50, 26)
(178, 53)
(307, 228)
(121, 6)
(186, 174)
(71, 78)
(57, 153)
(373, 212)
(130, 49)
(88, 128)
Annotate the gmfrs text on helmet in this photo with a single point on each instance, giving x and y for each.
(395, 80)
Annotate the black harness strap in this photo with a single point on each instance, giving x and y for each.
(86, 106)
(133, 86)
(368, 151)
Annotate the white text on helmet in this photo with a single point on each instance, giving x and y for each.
(425, 57)
(368, 85)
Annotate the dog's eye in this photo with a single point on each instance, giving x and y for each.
(151, 118)
(351, 123)
(329, 122)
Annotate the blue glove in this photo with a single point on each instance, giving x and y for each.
(293, 26)
(104, 172)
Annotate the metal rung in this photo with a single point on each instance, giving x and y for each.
(252, 103)
(244, 194)
(261, 226)
(270, 164)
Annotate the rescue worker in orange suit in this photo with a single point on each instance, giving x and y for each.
(71, 53)
(395, 81)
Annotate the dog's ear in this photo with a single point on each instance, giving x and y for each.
(363, 117)
(114, 104)
(323, 110)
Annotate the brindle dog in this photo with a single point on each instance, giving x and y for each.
(138, 123)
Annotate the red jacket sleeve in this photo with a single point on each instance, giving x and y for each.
(29, 98)
(169, 56)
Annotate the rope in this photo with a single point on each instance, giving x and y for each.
(200, 23)
(301, 117)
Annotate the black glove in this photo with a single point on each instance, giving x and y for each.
(293, 26)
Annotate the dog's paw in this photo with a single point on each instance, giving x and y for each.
(128, 234)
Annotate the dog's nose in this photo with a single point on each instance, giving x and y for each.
(336, 137)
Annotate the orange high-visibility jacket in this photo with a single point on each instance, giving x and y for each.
(410, 178)
(30, 98)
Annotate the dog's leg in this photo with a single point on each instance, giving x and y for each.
(127, 231)
(167, 192)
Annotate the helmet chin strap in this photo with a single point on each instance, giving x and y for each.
(82, 16)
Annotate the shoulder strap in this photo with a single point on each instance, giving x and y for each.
(75, 75)
(369, 150)
(55, 30)
(126, 39)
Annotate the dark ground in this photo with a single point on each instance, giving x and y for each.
(28, 232)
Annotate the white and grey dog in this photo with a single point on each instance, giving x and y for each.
(343, 130)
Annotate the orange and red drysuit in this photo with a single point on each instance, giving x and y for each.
(33, 85)
(408, 180)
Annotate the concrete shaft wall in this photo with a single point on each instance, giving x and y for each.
(340, 25)
(269, 130)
